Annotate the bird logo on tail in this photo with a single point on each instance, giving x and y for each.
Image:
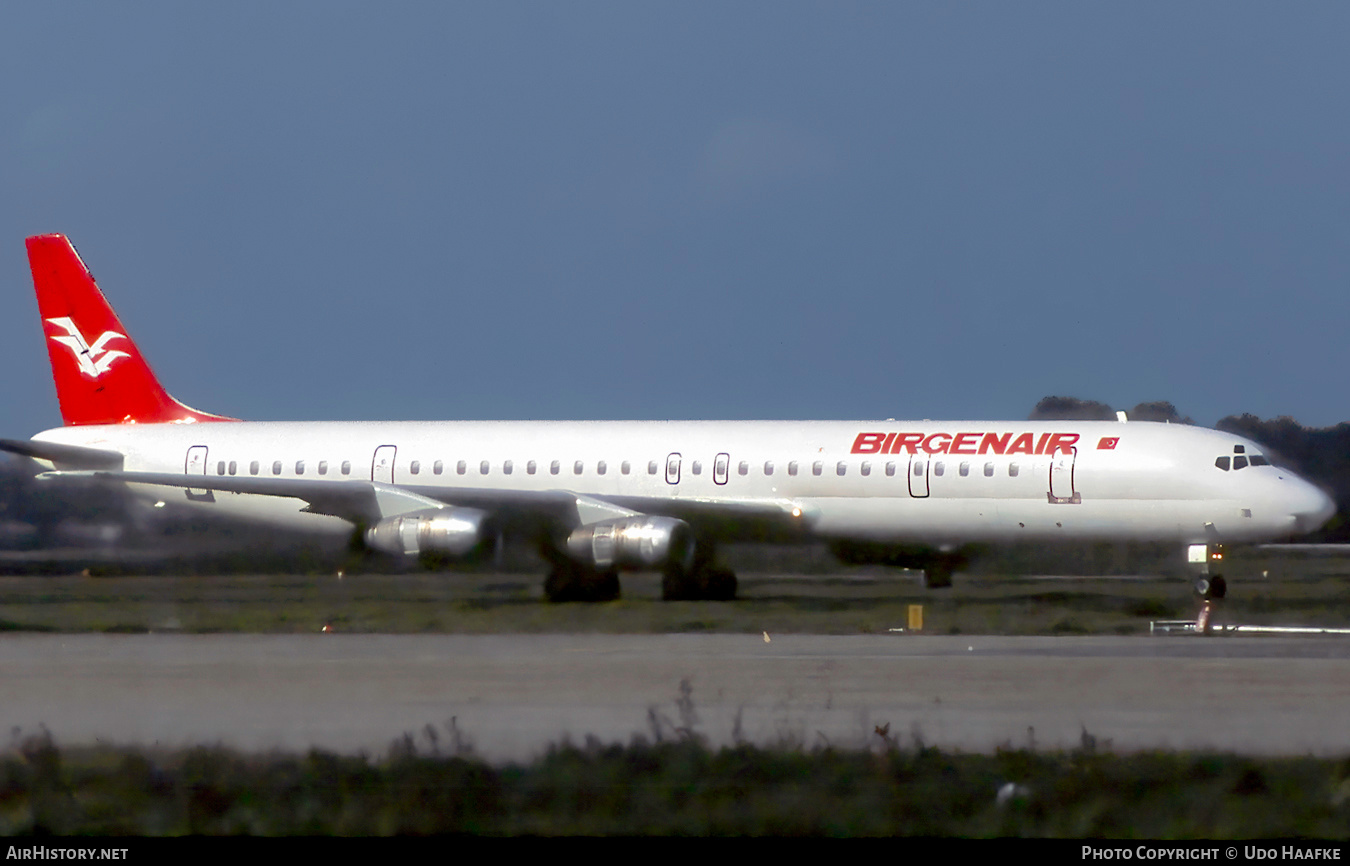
(94, 360)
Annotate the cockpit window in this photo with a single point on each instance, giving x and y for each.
(1239, 449)
(1260, 460)
(1222, 463)
(1239, 462)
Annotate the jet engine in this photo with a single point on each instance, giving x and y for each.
(453, 531)
(639, 542)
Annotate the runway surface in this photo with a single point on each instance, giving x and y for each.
(512, 695)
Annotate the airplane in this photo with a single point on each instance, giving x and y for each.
(600, 497)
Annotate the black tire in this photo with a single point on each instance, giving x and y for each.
(677, 584)
(703, 583)
(1211, 587)
(937, 577)
(605, 587)
(560, 585)
(568, 582)
(719, 584)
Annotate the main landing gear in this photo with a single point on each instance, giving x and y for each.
(937, 573)
(570, 581)
(699, 580)
(702, 581)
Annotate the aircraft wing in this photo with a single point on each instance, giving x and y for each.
(355, 501)
(367, 502)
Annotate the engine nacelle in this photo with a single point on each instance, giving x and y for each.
(639, 542)
(453, 531)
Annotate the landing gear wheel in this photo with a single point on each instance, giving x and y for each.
(1211, 587)
(701, 583)
(570, 582)
(720, 584)
(938, 576)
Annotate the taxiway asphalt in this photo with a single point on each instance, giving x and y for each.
(510, 696)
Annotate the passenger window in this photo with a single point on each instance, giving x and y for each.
(1012, 470)
(323, 467)
(841, 468)
(299, 468)
(768, 467)
(346, 467)
(817, 467)
(578, 467)
(890, 468)
(413, 467)
(697, 468)
(1222, 463)
(792, 467)
(918, 468)
(462, 466)
(531, 467)
(939, 467)
(965, 468)
(1239, 462)
(436, 468)
(508, 466)
(743, 468)
(276, 467)
(253, 468)
(231, 467)
(988, 470)
(625, 467)
(554, 467)
(220, 468)
(601, 467)
(866, 468)
(483, 468)
(651, 467)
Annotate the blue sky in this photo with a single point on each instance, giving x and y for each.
(689, 210)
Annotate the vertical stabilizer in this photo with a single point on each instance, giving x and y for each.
(100, 375)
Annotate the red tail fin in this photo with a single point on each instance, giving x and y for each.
(100, 375)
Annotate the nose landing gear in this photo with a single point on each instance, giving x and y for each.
(1207, 561)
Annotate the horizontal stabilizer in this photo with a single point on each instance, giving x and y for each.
(64, 456)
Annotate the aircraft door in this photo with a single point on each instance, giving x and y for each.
(673, 468)
(721, 468)
(196, 465)
(382, 466)
(918, 475)
(1061, 478)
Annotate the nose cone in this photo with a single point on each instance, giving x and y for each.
(1311, 509)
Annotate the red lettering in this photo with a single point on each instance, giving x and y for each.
(868, 443)
(964, 443)
(1020, 445)
(908, 441)
(992, 441)
(886, 446)
(1040, 445)
(932, 447)
(1061, 443)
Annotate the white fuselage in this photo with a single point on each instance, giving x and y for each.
(937, 484)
